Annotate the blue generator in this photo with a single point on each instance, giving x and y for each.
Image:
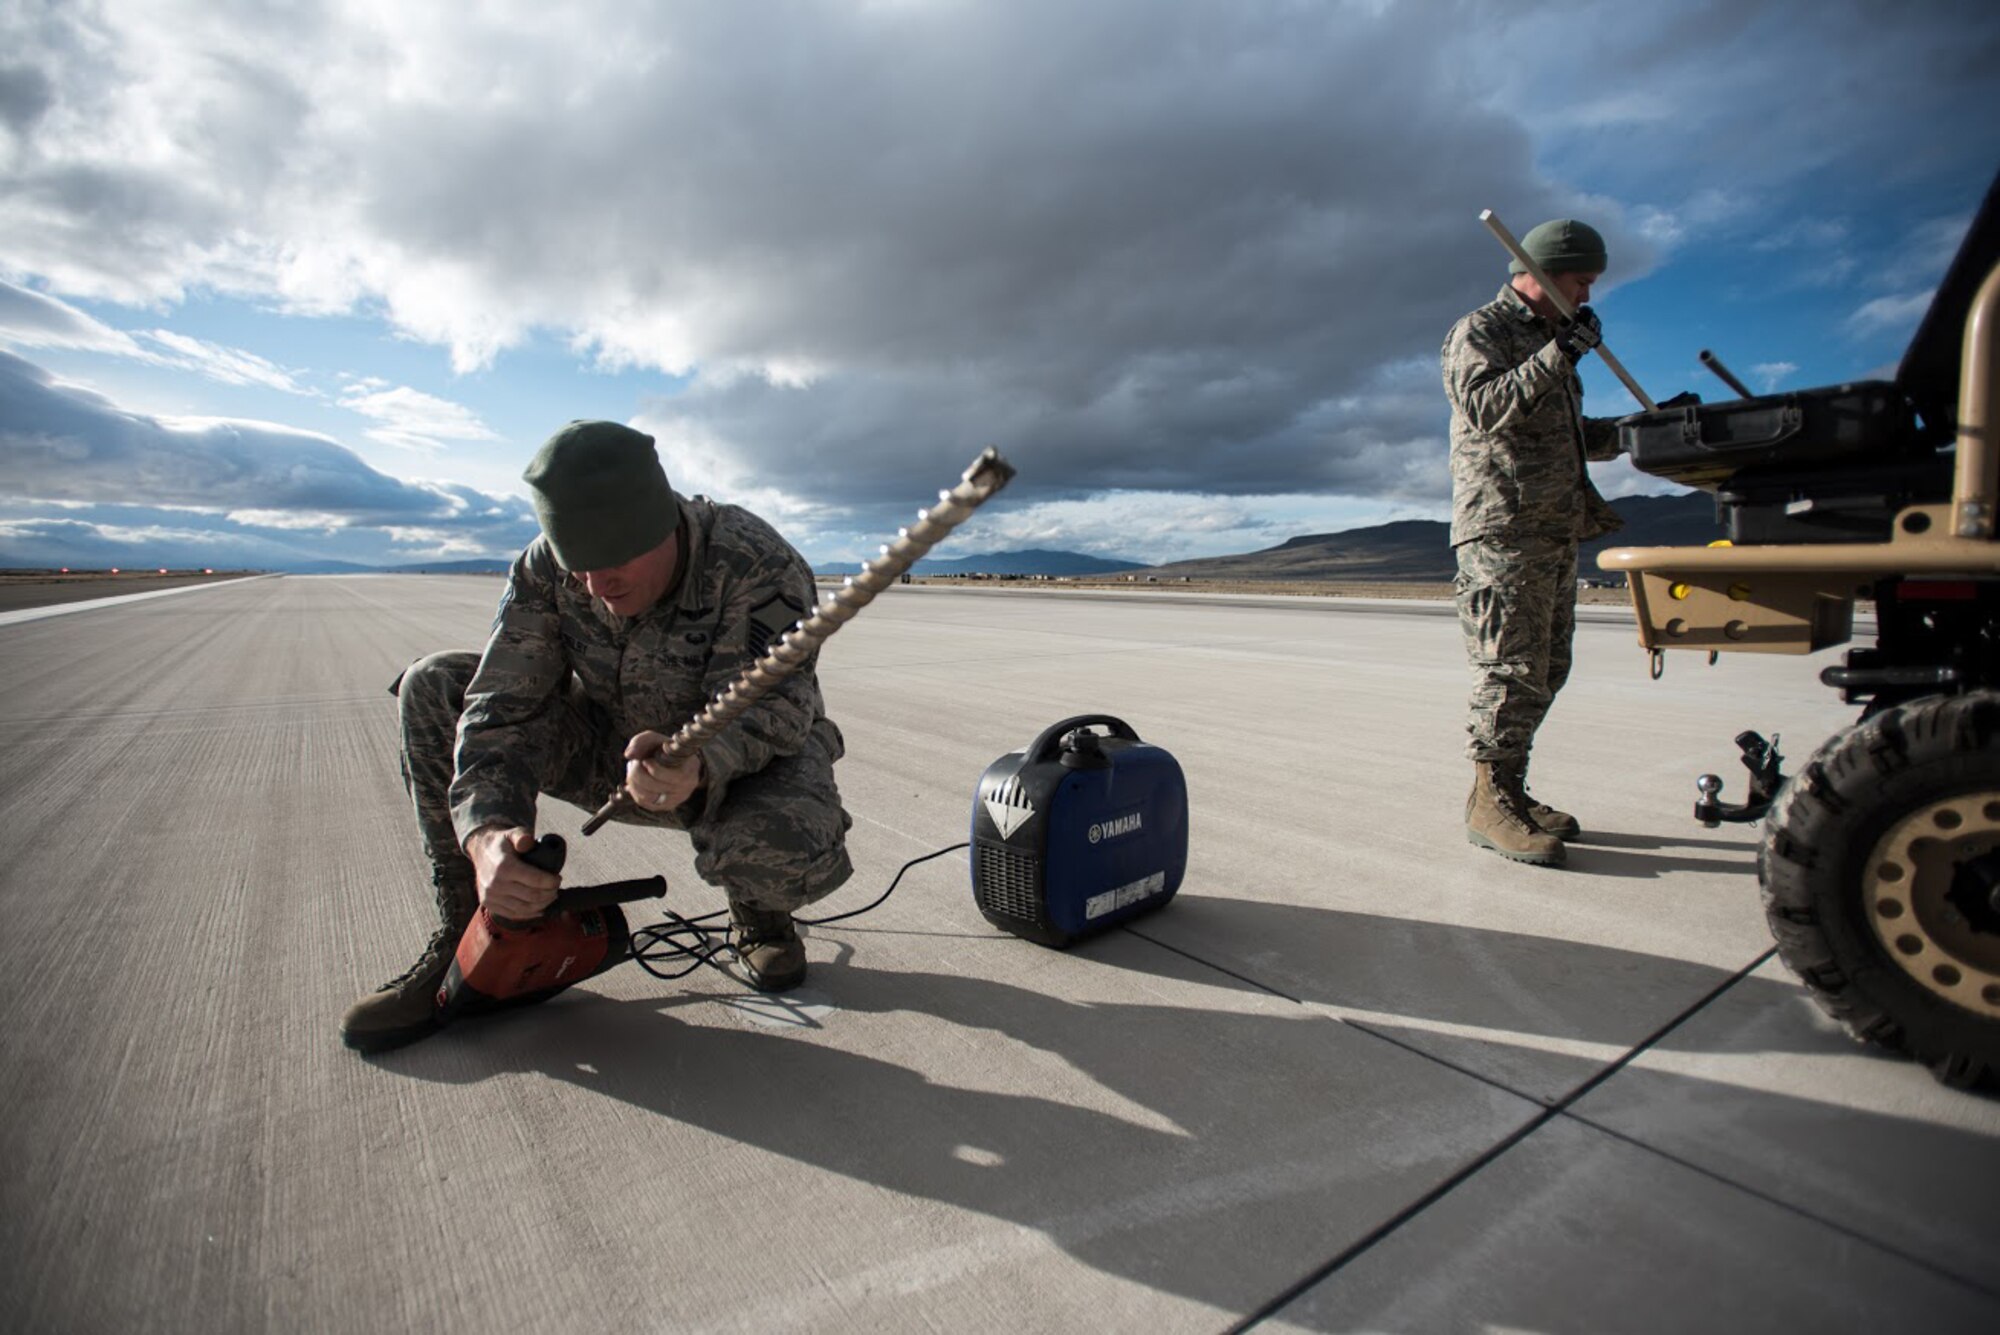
(1079, 832)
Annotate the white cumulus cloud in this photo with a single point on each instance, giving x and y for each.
(1897, 312)
(1769, 375)
(413, 420)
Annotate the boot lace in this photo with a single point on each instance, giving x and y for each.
(443, 941)
(1510, 791)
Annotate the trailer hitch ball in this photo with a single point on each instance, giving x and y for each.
(1706, 809)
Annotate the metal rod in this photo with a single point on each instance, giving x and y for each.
(1728, 377)
(1975, 485)
(987, 475)
(1561, 303)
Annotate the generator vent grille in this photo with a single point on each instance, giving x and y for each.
(1007, 883)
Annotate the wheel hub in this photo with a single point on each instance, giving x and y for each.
(1929, 892)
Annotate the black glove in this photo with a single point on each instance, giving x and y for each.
(1687, 398)
(1578, 336)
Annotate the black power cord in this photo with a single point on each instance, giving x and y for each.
(700, 940)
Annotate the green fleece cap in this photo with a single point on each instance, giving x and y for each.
(601, 495)
(1563, 245)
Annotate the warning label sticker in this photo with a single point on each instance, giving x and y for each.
(1143, 888)
(1008, 806)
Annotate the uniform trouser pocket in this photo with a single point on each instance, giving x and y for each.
(1516, 614)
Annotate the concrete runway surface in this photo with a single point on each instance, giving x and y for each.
(1358, 1076)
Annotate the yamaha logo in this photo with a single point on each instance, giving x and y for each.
(1111, 829)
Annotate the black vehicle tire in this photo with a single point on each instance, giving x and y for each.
(1878, 870)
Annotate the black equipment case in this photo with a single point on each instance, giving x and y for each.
(1816, 465)
(1079, 832)
(1706, 444)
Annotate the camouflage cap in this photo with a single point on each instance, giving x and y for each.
(1563, 245)
(601, 495)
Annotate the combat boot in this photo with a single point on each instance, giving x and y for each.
(1496, 817)
(768, 947)
(404, 1009)
(1558, 823)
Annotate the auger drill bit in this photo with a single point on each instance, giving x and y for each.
(987, 475)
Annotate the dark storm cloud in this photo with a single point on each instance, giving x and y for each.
(25, 93)
(1137, 244)
(1134, 245)
(1171, 423)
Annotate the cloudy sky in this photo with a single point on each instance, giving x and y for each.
(290, 281)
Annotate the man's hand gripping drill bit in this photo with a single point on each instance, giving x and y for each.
(987, 475)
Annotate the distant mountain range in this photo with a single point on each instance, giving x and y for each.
(1031, 562)
(1406, 551)
(1419, 550)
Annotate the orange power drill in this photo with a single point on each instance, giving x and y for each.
(502, 964)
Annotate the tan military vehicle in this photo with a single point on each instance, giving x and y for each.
(1880, 864)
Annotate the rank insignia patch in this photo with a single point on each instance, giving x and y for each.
(770, 620)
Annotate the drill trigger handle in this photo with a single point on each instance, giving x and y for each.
(583, 897)
(548, 854)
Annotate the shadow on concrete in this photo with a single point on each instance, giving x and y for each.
(1224, 1154)
(1919, 1188)
(1390, 967)
(1573, 1232)
(1632, 856)
(1616, 839)
(1238, 1150)
(1645, 856)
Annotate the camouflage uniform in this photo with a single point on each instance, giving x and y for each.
(1521, 502)
(565, 683)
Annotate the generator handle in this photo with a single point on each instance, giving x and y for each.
(1044, 746)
